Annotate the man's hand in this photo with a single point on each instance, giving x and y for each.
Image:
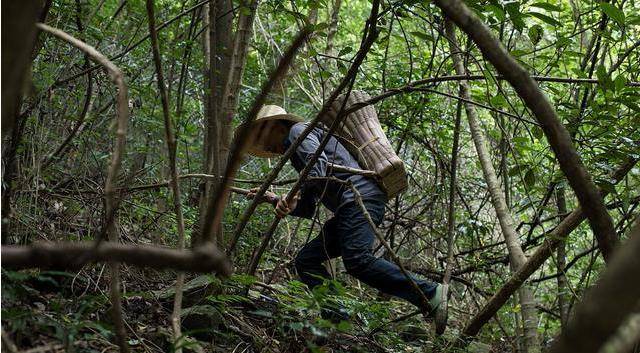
(268, 196)
(283, 207)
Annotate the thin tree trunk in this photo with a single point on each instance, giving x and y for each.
(451, 211)
(222, 46)
(333, 27)
(206, 100)
(175, 187)
(17, 18)
(212, 46)
(234, 77)
(217, 16)
(562, 262)
(516, 256)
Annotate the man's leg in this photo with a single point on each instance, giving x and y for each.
(309, 261)
(310, 267)
(357, 238)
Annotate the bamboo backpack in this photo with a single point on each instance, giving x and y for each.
(365, 139)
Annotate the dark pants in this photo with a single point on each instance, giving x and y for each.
(348, 234)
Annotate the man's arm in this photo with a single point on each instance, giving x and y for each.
(307, 149)
(306, 205)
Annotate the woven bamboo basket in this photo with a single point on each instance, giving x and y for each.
(365, 139)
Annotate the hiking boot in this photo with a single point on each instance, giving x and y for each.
(442, 309)
(438, 308)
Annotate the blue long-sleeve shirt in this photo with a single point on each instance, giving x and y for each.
(333, 195)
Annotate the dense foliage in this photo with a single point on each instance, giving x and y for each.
(55, 187)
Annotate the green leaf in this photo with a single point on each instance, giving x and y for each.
(535, 33)
(615, 13)
(537, 132)
(513, 9)
(562, 41)
(342, 67)
(296, 326)
(422, 35)
(243, 279)
(518, 52)
(344, 326)
(263, 313)
(603, 78)
(530, 178)
(321, 26)
(548, 19)
(546, 6)
(620, 82)
(325, 75)
(606, 186)
(498, 101)
(516, 309)
(345, 51)
(515, 170)
(497, 11)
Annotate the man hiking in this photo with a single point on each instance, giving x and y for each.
(347, 233)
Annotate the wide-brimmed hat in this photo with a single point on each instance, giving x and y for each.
(267, 113)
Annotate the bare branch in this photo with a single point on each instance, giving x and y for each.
(73, 255)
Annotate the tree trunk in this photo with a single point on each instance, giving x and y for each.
(218, 17)
(235, 72)
(333, 27)
(516, 256)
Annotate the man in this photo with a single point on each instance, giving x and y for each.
(348, 233)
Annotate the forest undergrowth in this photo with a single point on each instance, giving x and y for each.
(125, 221)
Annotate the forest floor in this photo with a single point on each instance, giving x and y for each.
(52, 311)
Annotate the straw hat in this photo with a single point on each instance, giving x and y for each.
(267, 113)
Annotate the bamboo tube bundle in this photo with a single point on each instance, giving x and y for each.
(365, 139)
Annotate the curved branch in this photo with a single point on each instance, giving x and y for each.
(122, 118)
